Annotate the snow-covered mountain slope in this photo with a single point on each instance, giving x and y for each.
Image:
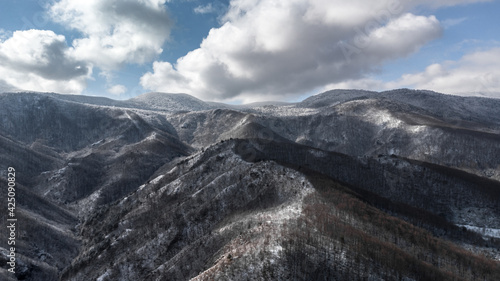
(89, 100)
(446, 192)
(45, 240)
(452, 109)
(170, 102)
(361, 127)
(78, 149)
(215, 216)
(169, 187)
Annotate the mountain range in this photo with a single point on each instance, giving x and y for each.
(345, 185)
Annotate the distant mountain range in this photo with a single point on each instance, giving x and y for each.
(345, 185)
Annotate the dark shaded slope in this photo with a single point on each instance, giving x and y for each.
(72, 158)
(443, 191)
(373, 243)
(176, 225)
(213, 216)
(67, 150)
(45, 240)
(378, 125)
(113, 166)
(63, 126)
(201, 129)
(29, 163)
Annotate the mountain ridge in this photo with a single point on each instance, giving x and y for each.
(166, 186)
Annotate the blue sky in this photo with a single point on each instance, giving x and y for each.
(252, 50)
(466, 28)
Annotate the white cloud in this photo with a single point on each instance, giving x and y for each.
(117, 90)
(5, 87)
(115, 32)
(263, 50)
(40, 60)
(271, 49)
(475, 74)
(4, 34)
(443, 3)
(453, 22)
(204, 9)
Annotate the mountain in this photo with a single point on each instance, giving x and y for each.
(345, 185)
(170, 102)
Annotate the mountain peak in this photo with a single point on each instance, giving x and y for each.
(171, 102)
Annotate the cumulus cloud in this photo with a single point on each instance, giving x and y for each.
(204, 9)
(115, 32)
(475, 74)
(4, 34)
(40, 60)
(443, 3)
(271, 49)
(117, 90)
(111, 33)
(262, 50)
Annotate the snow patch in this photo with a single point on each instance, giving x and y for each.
(104, 276)
(156, 180)
(383, 118)
(88, 203)
(285, 111)
(417, 129)
(484, 231)
(276, 250)
(97, 143)
(151, 137)
(318, 153)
